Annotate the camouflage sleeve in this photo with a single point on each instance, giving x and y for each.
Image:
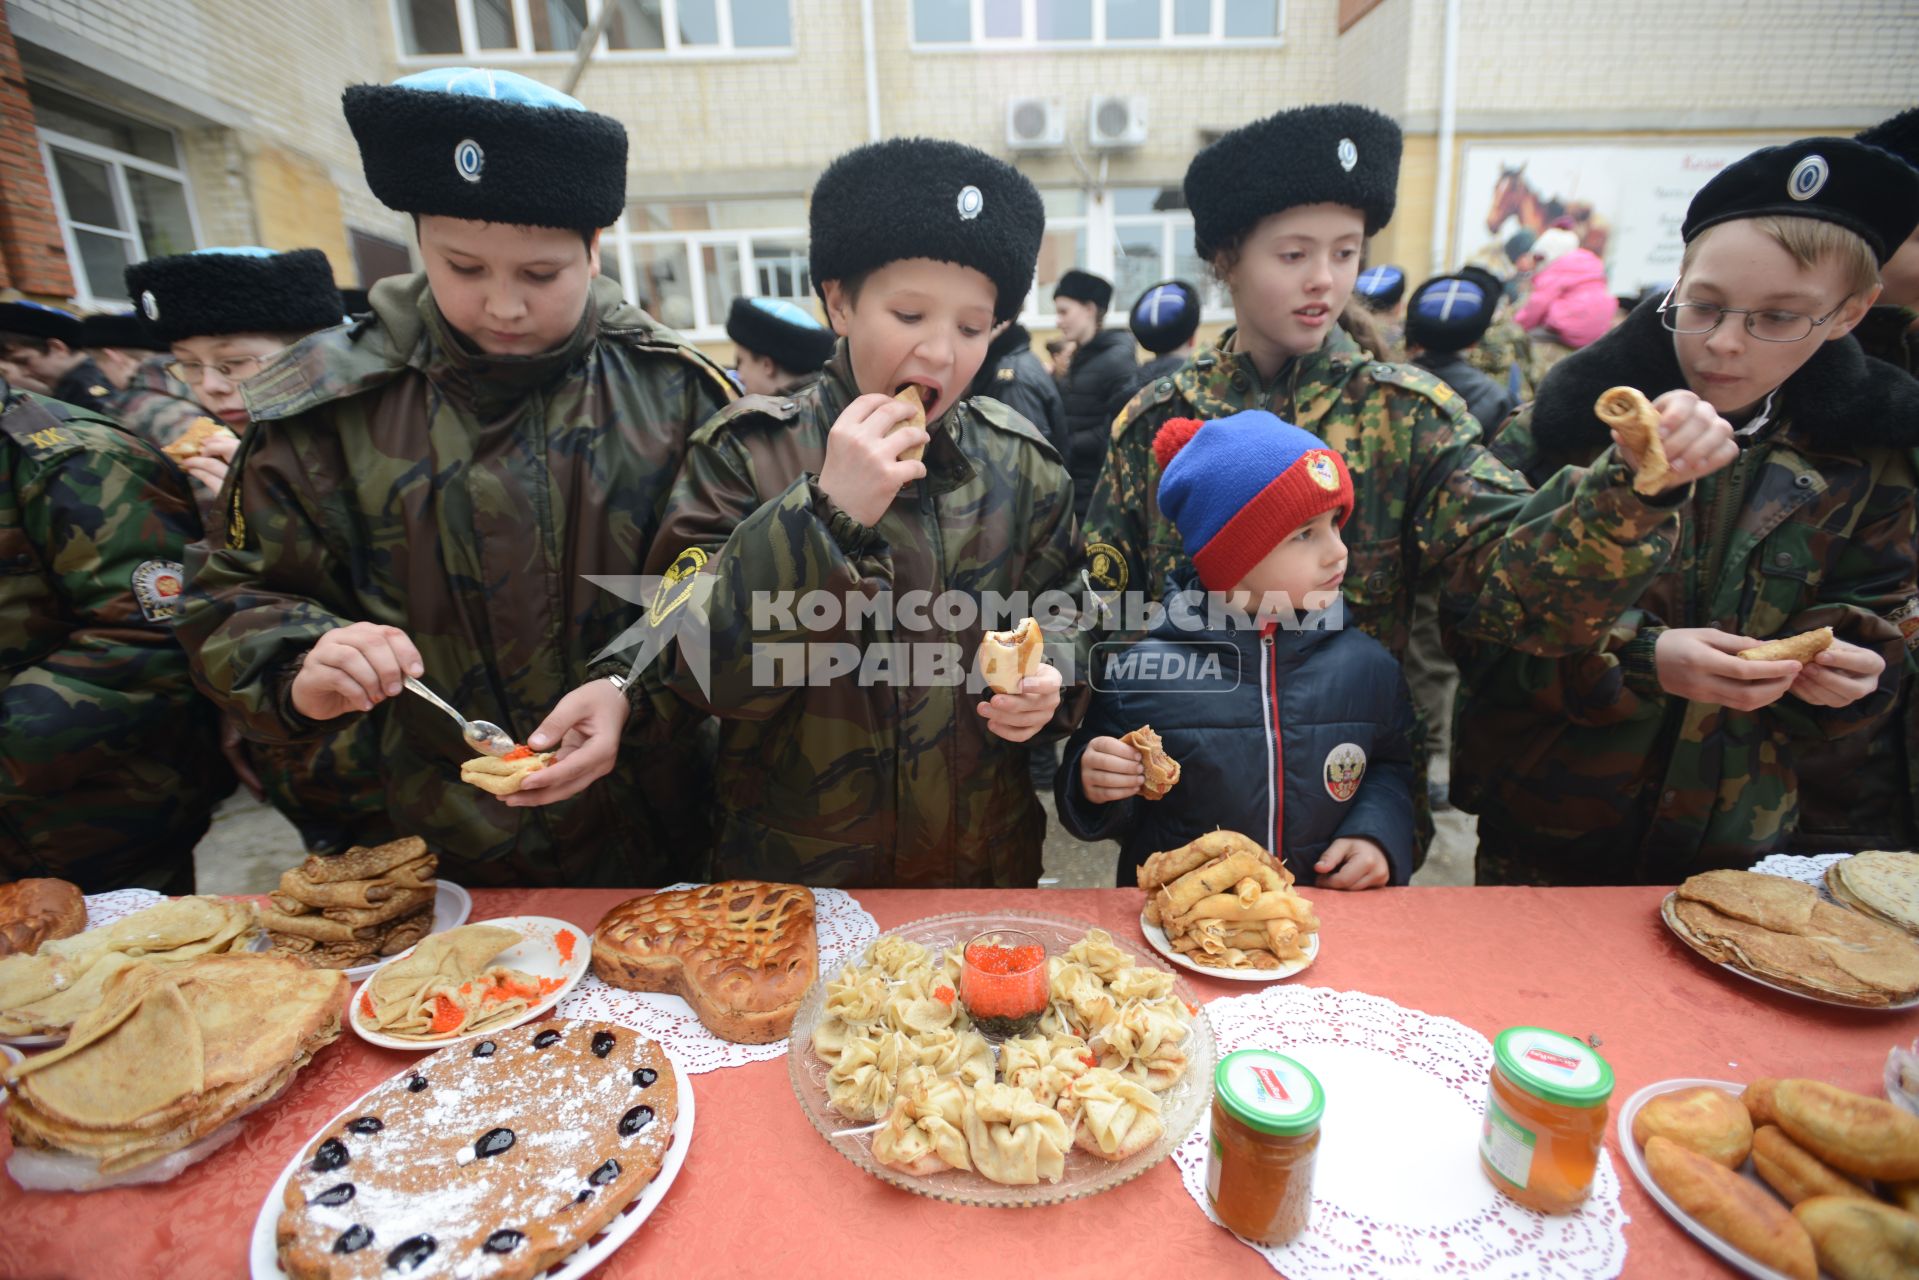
(1055, 559)
(1870, 582)
(250, 613)
(109, 529)
(1546, 573)
(1116, 519)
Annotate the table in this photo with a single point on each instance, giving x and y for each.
(762, 1193)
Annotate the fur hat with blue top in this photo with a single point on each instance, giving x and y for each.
(1449, 313)
(1236, 487)
(1381, 287)
(1870, 192)
(489, 146)
(1166, 316)
(784, 333)
(27, 319)
(235, 289)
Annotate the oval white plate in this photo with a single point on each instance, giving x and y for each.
(536, 954)
(1156, 939)
(1665, 906)
(1637, 1163)
(11, 1055)
(264, 1255)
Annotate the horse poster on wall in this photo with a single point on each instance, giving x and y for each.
(1624, 199)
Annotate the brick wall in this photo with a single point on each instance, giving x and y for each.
(32, 258)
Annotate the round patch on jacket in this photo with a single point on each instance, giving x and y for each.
(1106, 568)
(1345, 766)
(156, 585)
(677, 585)
(1320, 467)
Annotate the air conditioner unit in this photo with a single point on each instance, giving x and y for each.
(1035, 124)
(1116, 120)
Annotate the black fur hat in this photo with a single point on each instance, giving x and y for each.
(927, 198)
(1337, 154)
(1085, 287)
(781, 331)
(1869, 192)
(491, 146)
(36, 320)
(1899, 135)
(122, 329)
(239, 290)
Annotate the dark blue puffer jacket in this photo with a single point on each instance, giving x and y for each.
(1324, 708)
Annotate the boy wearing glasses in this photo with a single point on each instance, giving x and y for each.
(1663, 753)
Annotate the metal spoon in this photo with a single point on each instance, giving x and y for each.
(483, 736)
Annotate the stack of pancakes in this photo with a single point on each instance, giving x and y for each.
(355, 907)
(1780, 930)
(1882, 885)
(170, 1054)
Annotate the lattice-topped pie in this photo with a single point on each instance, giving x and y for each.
(741, 952)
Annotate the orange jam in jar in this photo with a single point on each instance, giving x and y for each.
(1259, 1166)
(1545, 1117)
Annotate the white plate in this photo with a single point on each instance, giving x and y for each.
(1156, 938)
(451, 906)
(264, 1255)
(1666, 905)
(1637, 1163)
(536, 954)
(103, 909)
(11, 1055)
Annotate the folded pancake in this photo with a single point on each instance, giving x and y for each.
(447, 988)
(502, 775)
(193, 441)
(1803, 647)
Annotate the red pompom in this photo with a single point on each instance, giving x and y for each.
(1173, 437)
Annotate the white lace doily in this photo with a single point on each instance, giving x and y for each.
(1397, 1189)
(118, 904)
(1809, 868)
(844, 928)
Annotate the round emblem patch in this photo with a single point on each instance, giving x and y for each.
(677, 585)
(970, 203)
(156, 586)
(1320, 467)
(1348, 155)
(1808, 178)
(1106, 570)
(1345, 766)
(469, 160)
(149, 305)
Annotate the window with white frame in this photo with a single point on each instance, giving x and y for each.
(1133, 236)
(509, 31)
(120, 192)
(685, 261)
(1000, 24)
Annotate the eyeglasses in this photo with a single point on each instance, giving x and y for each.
(1766, 325)
(238, 369)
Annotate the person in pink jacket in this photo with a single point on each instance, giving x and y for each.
(1570, 300)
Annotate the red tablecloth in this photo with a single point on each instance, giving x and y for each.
(762, 1194)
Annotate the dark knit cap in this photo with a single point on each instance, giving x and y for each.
(927, 198)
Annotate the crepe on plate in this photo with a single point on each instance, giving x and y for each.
(446, 988)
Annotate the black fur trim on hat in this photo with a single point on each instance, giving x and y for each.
(927, 198)
(794, 348)
(1084, 286)
(30, 320)
(1840, 398)
(1295, 157)
(1166, 316)
(1450, 313)
(532, 166)
(192, 295)
(1899, 135)
(1869, 192)
(125, 330)
(355, 302)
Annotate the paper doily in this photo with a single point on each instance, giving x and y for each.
(844, 928)
(1398, 1191)
(106, 908)
(1809, 868)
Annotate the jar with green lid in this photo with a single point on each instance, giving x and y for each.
(1259, 1167)
(1546, 1112)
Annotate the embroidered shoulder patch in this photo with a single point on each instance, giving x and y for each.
(157, 585)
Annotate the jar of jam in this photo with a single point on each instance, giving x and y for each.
(1004, 983)
(1259, 1167)
(1545, 1116)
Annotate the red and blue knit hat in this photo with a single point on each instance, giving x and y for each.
(1235, 487)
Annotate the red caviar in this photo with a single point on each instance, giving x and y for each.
(366, 1002)
(996, 959)
(564, 941)
(447, 1015)
(1005, 987)
(520, 752)
(944, 995)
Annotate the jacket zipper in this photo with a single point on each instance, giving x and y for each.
(929, 519)
(1725, 510)
(1275, 795)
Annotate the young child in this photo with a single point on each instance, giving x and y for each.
(919, 248)
(1382, 291)
(1096, 363)
(428, 492)
(1662, 753)
(1445, 317)
(1164, 321)
(1570, 303)
(146, 400)
(1300, 738)
(41, 350)
(780, 347)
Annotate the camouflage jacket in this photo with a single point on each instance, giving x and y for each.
(866, 778)
(86, 386)
(393, 476)
(1862, 792)
(155, 405)
(1582, 769)
(1546, 571)
(109, 761)
(1504, 353)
